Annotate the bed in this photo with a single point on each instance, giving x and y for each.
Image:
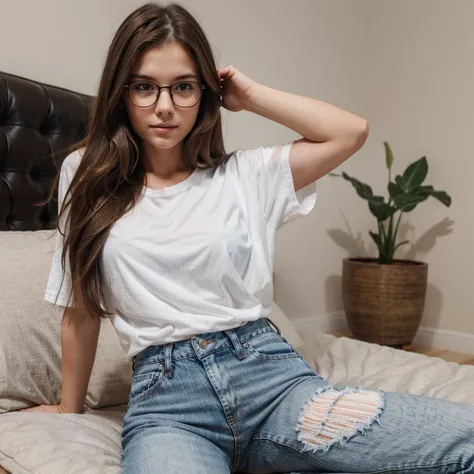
(37, 124)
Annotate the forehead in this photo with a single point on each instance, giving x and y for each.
(164, 63)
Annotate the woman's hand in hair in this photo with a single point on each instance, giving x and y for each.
(236, 89)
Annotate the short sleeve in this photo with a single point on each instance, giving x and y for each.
(268, 172)
(58, 285)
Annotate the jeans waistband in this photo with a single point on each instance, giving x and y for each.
(203, 344)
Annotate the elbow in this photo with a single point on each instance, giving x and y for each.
(361, 133)
(355, 137)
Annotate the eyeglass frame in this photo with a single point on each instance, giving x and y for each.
(202, 87)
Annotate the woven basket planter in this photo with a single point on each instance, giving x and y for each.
(384, 303)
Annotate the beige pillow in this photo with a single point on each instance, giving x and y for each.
(30, 349)
(44, 443)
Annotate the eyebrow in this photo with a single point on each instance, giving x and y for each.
(151, 79)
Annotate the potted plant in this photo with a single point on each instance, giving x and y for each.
(384, 297)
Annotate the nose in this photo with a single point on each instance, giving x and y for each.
(164, 105)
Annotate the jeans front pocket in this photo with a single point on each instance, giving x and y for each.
(144, 382)
(271, 346)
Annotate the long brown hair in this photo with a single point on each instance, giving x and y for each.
(109, 178)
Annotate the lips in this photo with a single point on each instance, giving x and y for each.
(163, 126)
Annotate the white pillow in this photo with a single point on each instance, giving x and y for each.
(30, 348)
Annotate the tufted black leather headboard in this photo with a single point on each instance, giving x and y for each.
(38, 122)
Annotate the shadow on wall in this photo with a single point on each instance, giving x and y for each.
(357, 246)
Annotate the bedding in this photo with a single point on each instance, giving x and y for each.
(90, 443)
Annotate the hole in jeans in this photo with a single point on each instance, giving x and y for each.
(333, 416)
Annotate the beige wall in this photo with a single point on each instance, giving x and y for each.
(411, 81)
(420, 57)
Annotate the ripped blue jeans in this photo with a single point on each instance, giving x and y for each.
(245, 401)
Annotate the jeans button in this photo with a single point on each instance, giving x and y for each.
(246, 346)
(203, 343)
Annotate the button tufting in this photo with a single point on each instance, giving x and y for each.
(37, 123)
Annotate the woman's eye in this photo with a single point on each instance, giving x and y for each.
(182, 87)
(143, 87)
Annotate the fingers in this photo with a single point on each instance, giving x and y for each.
(43, 409)
(30, 409)
(222, 73)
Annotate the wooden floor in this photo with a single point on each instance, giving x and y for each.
(450, 356)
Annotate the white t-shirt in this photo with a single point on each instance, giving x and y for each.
(196, 256)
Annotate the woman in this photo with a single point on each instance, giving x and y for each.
(173, 239)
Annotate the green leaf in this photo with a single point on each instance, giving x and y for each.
(400, 244)
(388, 155)
(394, 190)
(379, 243)
(424, 190)
(381, 210)
(377, 239)
(363, 190)
(401, 183)
(409, 207)
(443, 197)
(408, 201)
(415, 174)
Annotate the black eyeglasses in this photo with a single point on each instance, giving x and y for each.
(184, 94)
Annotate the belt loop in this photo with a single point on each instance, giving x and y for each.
(168, 360)
(274, 325)
(239, 350)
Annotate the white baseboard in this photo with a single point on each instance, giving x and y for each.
(444, 339)
(329, 322)
(425, 337)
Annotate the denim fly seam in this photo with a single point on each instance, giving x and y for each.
(334, 416)
(168, 360)
(232, 420)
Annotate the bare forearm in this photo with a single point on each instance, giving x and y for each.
(311, 118)
(79, 337)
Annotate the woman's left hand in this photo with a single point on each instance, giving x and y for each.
(236, 89)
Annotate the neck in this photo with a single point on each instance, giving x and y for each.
(163, 163)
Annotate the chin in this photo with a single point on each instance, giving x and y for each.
(162, 143)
